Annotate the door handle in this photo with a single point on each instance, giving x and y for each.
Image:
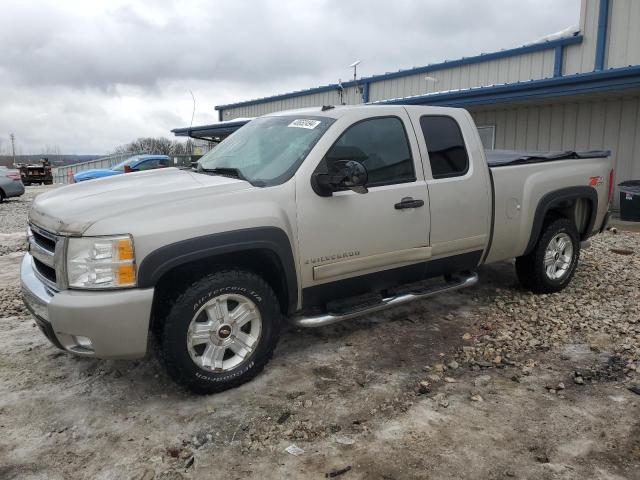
(408, 202)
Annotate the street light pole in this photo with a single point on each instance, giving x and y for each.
(13, 146)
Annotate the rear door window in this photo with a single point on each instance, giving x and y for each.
(447, 152)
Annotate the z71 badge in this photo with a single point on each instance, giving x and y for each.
(596, 181)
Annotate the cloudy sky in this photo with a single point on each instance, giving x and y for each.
(88, 75)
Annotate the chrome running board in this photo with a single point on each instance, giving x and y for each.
(458, 281)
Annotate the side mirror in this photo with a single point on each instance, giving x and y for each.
(345, 174)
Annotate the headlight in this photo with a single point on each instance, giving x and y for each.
(101, 262)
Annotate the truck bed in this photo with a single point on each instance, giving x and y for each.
(500, 158)
(521, 179)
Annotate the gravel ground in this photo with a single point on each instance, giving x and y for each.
(13, 211)
(490, 382)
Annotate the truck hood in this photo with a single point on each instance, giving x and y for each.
(70, 210)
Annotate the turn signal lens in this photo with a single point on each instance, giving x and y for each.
(126, 275)
(125, 249)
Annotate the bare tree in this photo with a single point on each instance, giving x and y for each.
(160, 145)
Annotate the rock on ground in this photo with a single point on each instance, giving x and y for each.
(369, 394)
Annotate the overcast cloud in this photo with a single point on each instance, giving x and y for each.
(87, 76)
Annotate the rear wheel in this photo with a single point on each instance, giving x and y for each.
(552, 263)
(221, 332)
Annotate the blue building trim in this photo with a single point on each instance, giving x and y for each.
(485, 57)
(601, 42)
(365, 92)
(557, 61)
(614, 79)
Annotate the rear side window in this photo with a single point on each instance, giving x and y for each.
(447, 152)
(381, 145)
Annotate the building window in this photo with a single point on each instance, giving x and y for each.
(445, 145)
(488, 136)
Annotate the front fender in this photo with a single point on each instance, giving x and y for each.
(160, 261)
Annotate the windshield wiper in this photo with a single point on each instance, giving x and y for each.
(225, 172)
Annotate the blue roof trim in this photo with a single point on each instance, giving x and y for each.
(484, 57)
(580, 83)
(614, 79)
(601, 42)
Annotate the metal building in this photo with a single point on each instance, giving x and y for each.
(578, 91)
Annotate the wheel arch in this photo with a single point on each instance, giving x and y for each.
(264, 250)
(578, 204)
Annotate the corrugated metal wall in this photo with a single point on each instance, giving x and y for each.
(581, 58)
(622, 49)
(623, 41)
(611, 123)
(623, 37)
(317, 99)
(530, 66)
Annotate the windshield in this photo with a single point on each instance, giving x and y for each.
(129, 161)
(267, 150)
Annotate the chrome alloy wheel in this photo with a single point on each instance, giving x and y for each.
(224, 332)
(558, 256)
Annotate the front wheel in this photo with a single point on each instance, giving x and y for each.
(552, 263)
(221, 332)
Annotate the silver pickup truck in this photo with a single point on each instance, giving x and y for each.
(315, 216)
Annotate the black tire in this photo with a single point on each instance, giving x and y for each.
(1, 196)
(173, 350)
(531, 268)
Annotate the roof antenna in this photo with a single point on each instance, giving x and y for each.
(354, 65)
(193, 112)
(341, 91)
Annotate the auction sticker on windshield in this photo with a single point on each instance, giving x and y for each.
(304, 123)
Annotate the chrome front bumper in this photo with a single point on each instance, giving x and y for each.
(116, 322)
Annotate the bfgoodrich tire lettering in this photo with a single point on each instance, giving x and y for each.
(174, 350)
(531, 269)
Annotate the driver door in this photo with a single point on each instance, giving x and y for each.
(351, 243)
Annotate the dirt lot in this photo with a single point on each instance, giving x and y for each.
(489, 383)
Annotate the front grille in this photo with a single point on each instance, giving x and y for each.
(45, 270)
(45, 242)
(45, 249)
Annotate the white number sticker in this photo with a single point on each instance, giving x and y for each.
(304, 123)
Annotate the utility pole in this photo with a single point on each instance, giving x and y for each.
(13, 146)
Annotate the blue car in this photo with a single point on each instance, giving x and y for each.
(136, 163)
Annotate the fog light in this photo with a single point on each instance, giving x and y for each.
(83, 342)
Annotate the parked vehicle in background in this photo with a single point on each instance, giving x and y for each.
(36, 173)
(318, 216)
(10, 184)
(136, 163)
